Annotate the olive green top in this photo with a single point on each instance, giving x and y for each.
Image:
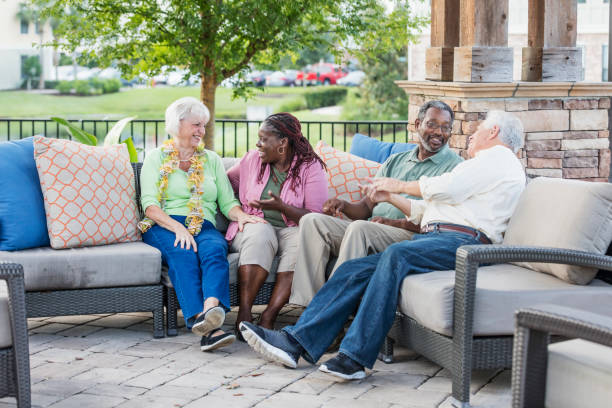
(275, 181)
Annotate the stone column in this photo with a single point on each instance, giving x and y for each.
(483, 54)
(551, 54)
(566, 125)
(444, 39)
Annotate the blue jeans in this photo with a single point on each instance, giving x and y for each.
(370, 286)
(195, 276)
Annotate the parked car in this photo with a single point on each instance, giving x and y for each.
(353, 78)
(306, 77)
(281, 78)
(322, 73)
(258, 78)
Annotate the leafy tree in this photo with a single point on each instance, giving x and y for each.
(219, 39)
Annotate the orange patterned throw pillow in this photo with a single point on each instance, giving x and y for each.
(345, 172)
(89, 193)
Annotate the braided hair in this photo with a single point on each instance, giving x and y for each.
(285, 125)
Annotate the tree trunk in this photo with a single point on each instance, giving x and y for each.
(207, 96)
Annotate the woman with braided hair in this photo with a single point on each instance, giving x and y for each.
(281, 180)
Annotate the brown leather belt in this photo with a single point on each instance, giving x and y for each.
(438, 226)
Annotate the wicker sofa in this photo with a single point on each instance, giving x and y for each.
(14, 352)
(572, 373)
(464, 319)
(92, 280)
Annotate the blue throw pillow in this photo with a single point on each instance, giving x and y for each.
(23, 223)
(375, 150)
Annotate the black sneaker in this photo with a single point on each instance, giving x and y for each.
(210, 342)
(273, 345)
(344, 367)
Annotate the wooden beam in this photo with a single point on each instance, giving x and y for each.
(483, 64)
(551, 54)
(484, 23)
(444, 37)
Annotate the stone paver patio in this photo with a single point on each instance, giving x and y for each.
(113, 361)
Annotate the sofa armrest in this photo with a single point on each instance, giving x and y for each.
(469, 257)
(533, 329)
(13, 274)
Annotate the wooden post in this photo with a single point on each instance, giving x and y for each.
(551, 53)
(483, 54)
(444, 39)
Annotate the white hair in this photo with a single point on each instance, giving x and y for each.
(510, 128)
(182, 108)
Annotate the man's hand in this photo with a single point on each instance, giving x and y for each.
(375, 195)
(401, 223)
(387, 184)
(275, 203)
(386, 221)
(334, 207)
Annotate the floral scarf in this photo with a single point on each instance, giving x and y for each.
(195, 178)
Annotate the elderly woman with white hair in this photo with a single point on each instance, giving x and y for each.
(181, 185)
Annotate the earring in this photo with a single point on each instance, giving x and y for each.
(281, 150)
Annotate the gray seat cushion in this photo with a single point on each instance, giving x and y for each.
(500, 291)
(578, 371)
(126, 264)
(5, 320)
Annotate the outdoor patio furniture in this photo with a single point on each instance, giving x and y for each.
(572, 373)
(463, 323)
(116, 278)
(14, 352)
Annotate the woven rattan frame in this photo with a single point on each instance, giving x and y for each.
(534, 327)
(15, 360)
(462, 352)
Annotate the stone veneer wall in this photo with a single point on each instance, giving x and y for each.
(565, 137)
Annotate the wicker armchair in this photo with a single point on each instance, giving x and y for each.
(14, 356)
(463, 352)
(534, 360)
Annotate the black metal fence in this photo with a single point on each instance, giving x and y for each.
(233, 137)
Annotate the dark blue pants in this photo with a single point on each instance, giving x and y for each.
(371, 287)
(196, 276)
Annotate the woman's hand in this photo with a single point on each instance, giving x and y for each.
(184, 238)
(334, 206)
(275, 203)
(245, 218)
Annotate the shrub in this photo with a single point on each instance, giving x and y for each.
(82, 88)
(97, 83)
(112, 85)
(324, 97)
(293, 105)
(64, 87)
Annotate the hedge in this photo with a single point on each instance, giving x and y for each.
(324, 97)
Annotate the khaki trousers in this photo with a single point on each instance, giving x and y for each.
(258, 243)
(322, 236)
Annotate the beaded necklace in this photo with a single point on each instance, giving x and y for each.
(195, 179)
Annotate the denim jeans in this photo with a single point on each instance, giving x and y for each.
(195, 276)
(370, 287)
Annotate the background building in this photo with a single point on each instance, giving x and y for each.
(18, 41)
(592, 37)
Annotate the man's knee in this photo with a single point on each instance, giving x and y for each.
(358, 228)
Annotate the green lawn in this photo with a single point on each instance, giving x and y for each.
(146, 103)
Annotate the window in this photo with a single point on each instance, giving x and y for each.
(604, 63)
(24, 26)
(37, 28)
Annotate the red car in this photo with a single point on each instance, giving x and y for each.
(323, 73)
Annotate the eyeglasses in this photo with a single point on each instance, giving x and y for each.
(431, 125)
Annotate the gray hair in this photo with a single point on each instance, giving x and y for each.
(438, 105)
(182, 108)
(510, 128)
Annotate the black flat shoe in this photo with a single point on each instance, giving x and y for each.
(210, 342)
